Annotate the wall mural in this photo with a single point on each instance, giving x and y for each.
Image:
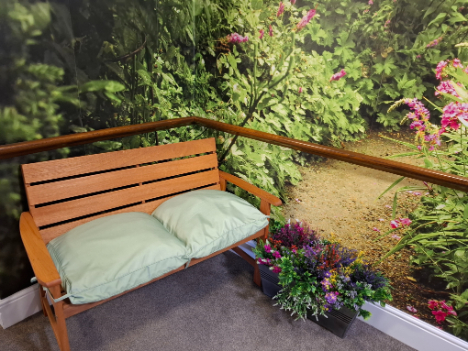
(325, 71)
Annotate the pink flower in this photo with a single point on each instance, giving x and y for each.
(418, 56)
(444, 305)
(446, 87)
(236, 38)
(434, 43)
(293, 2)
(388, 206)
(394, 224)
(300, 90)
(260, 261)
(457, 63)
(280, 9)
(338, 76)
(267, 248)
(433, 304)
(411, 309)
(366, 11)
(270, 32)
(276, 269)
(387, 23)
(262, 33)
(405, 221)
(440, 68)
(417, 193)
(452, 113)
(376, 229)
(276, 255)
(397, 237)
(381, 220)
(306, 19)
(371, 2)
(439, 316)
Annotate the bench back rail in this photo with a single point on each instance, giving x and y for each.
(65, 193)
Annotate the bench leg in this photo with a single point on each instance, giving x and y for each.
(44, 301)
(252, 262)
(57, 319)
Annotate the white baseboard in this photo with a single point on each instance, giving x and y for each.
(402, 326)
(19, 306)
(412, 331)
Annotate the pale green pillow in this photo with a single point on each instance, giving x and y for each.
(113, 254)
(209, 220)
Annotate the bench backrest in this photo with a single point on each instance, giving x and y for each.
(65, 193)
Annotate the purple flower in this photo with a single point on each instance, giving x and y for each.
(326, 285)
(411, 309)
(270, 32)
(338, 76)
(276, 255)
(280, 9)
(306, 19)
(331, 297)
(267, 248)
(262, 33)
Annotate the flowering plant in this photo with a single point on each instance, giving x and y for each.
(318, 275)
(437, 232)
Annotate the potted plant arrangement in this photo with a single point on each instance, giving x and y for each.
(318, 278)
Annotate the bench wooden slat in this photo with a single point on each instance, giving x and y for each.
(92, 204)
(51, 233)
(68, 167)
(64, 189)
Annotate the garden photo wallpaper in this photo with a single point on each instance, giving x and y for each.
(387, 78)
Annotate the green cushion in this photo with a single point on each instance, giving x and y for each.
(209, 220)
(110, 255)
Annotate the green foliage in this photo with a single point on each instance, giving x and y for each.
(439, 231)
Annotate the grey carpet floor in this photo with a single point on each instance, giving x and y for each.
(211, 306)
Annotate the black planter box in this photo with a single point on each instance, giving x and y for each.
(270, 281)
(338, 321)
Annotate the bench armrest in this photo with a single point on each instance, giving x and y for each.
(262, 194)
(41, 262)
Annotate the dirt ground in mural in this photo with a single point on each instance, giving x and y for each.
(340, 199)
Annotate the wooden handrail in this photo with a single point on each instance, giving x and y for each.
(428, 175)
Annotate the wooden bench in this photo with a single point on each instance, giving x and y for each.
(63, 194)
